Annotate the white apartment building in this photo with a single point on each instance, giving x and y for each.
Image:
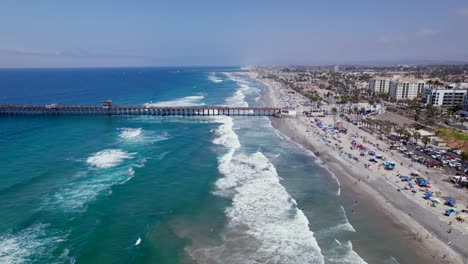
(406, 88)
(380, 85)
(441, 96)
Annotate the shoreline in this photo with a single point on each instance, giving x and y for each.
(408, 216)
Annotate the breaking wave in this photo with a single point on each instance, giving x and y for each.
(32, 244)
(343, 253)
(195, 100)
(108, 158)
(129, 132)
(88, 185)
(212, 77)
(264, 223)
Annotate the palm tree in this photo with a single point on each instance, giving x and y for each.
(416, 136)
(407, 135)
(334, 110)
(426, 140)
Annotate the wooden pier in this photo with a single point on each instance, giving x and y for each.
(108, 109)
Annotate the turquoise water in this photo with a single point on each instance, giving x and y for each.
(164, 190)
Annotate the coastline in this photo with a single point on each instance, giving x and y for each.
(423, 230)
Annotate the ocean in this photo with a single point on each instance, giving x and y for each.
(82, 189)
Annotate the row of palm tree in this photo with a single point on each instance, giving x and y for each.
(384, 126)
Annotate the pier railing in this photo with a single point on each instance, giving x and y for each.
(36, 110)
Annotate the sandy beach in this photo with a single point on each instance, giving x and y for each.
(441, 238)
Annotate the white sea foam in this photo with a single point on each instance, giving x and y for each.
(226, 135)
(128, 133)
(212, 77)
(391, 260)
(28, 245)
(195, 100)
(344, 254)
(108, 158)
(137, 135)
(344, 225)
(237, 99)
(264, 223)
(74, 196)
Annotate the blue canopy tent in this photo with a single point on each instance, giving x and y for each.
(427, 195)
(422, 182)
(405, 178)
(451, 202)
(371, 152)
(390, 165)
(373, 159)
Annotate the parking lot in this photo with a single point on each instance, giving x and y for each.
(451, 162)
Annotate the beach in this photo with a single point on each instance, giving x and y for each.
(441, 239)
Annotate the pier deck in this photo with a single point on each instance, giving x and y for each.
(110, 110)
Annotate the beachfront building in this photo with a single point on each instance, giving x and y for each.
(441, 96)
(379, 85)
(406, 88)
(464, 110)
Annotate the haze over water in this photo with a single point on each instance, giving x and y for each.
(167, 189)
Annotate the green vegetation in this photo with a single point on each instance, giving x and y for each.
(446, 133)
(464, 155)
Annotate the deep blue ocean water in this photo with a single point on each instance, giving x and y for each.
(163, 189)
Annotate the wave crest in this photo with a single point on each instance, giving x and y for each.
(108, 158)
(195, 100)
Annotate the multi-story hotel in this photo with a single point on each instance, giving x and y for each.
(379, 85)
(441, 96)
(406, 88)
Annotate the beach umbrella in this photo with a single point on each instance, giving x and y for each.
(428, 195)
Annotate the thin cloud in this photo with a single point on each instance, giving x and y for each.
(401, 38)
(81, 53)
(462, 12)
(427, 32)
(390, 39)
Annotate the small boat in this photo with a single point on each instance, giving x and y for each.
(138, 241)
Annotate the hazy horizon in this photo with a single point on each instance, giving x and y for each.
(53, 34)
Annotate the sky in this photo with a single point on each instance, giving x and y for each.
(65, 33)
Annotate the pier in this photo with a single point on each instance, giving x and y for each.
(107, 108)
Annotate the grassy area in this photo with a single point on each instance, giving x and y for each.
(446, 133)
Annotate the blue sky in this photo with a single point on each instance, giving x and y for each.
(172, 33)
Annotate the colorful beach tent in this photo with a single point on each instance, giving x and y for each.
(405, 178)
(427, 195)
(451, 202)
